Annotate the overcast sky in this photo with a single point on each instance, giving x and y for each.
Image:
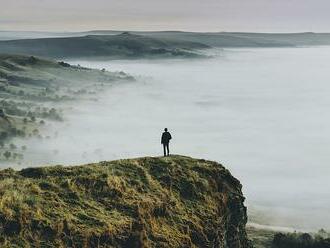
(193, 15)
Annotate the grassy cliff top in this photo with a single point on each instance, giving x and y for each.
(174, 201)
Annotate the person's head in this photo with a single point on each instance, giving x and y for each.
(165, 129)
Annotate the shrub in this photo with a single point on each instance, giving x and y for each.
(300, 240)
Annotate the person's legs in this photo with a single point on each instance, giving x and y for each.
(168, 149)
(164, 146)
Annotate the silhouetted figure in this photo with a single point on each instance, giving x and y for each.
(166, 137)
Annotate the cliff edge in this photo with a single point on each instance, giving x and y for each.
(174, 201)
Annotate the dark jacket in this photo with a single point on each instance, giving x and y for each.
(166, 136)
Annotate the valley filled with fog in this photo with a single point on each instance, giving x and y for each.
(263, 113)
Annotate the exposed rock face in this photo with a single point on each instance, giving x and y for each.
(147, 202)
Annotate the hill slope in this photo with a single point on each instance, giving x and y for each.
(18, 70)
(125, 45)
(147, 202)
(164, 41)
(231, 39)
(33, 91)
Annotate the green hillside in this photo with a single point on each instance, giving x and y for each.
(124, 45)
(32, 91)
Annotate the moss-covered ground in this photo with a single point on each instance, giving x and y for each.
(147, 202)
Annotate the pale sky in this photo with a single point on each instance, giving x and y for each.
(189, 15)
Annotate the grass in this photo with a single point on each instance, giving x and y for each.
(146, 202)
(262, 238)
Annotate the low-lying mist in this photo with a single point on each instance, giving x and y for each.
(263, 113)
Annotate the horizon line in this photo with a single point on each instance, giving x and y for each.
(164, 30)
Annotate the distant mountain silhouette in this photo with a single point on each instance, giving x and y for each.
(124, 45)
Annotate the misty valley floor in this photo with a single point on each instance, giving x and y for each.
(262, 112)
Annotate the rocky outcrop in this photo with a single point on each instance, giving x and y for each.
(146, 202)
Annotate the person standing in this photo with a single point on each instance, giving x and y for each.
(165, 141)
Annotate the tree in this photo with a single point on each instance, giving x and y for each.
(3, 135)
(7, 154)
(12, 146)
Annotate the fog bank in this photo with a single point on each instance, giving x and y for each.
(263, 113)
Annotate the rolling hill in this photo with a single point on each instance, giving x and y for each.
(33, 91)
(124, 45)
(134, 45)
